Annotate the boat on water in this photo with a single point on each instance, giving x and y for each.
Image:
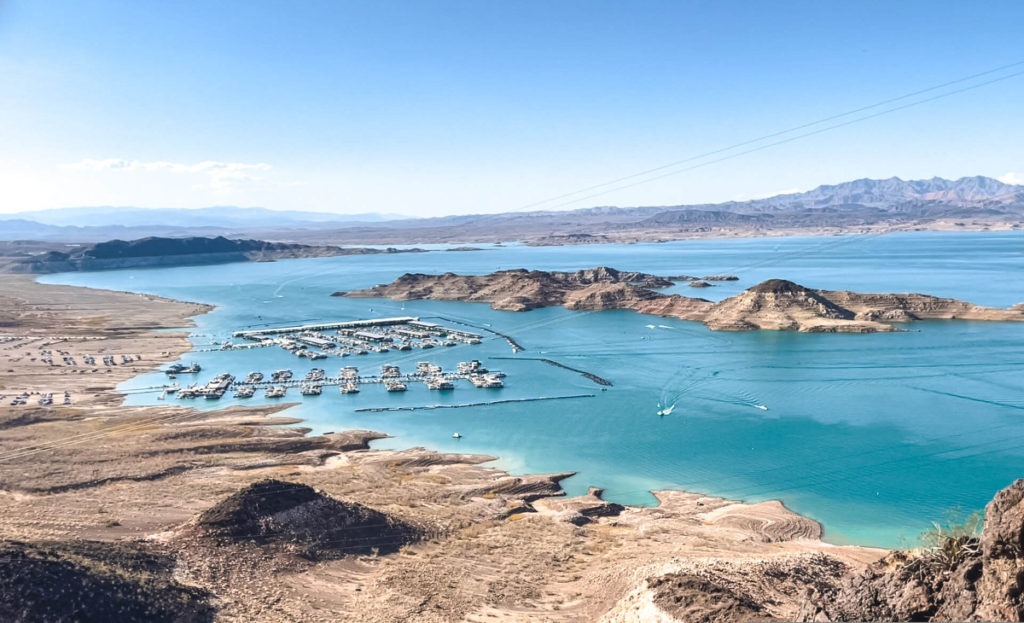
(471, 367)
(667, 410)
(277, 391)
(254, 377)
(441, 384)
(311, 389)
(486, 381)
(394, 386)
(349, 388)
(179, 368)
(244, 392)
(216, 388)
(456, 436)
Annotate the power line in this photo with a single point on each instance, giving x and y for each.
(780, 133)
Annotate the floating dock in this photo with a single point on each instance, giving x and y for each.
(354, 337)
(326, 326)
(348, 381)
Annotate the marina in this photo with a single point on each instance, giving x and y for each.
(348, 381)
(353, 337)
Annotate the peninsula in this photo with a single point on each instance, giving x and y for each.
(37, 258)
(775, 304)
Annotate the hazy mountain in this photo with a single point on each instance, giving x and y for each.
(894, 191)
(215, 216)
(857, 204)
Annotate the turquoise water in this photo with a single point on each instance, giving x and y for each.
(876, 436)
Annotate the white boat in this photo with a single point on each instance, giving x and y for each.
(456, 436)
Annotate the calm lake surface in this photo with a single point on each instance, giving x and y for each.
(875, 436)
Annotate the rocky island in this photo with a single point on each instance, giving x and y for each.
(775, 304)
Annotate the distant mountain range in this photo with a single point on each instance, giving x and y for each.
(215, 216)
(851, 206)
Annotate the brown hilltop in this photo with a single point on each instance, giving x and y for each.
(779, 305)
(523, 290)
(775, 304)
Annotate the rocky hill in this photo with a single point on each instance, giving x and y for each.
(95, 581)
(155, 251)
(523, 290)
(298, 518)
(775, 304)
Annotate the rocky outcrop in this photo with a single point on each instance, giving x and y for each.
(724, 591)
(776, 304)
(95, 581)
(782, 305)
(962, 578)
(296, 517)
(579, 510)
(769, 521)
(909, 307)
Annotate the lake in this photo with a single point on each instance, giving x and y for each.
(875, 436)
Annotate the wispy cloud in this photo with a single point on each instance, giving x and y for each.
(219, 174)
(1012, 178)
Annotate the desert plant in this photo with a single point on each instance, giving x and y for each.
(948, 544)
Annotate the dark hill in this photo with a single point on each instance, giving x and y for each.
(156, 251)
(277, 513)
(87, 581)
(148, 247)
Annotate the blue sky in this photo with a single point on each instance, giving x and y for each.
(428, 108)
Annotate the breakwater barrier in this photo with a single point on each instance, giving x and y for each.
(588, 375)
(508, 338)
(470, 404)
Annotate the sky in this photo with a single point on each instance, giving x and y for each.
(427, 107)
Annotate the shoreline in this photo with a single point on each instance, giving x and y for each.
(206, 308)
